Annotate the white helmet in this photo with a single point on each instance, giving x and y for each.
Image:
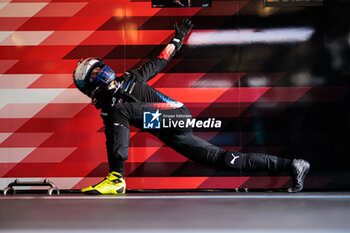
(82, 73)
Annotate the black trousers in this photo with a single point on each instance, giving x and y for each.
(117, 120)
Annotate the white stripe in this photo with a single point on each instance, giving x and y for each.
(4, 35)
(14, 155)
(20, 110)
(72, 96)
(26, 38)
(67, 37)
(13, 81)
(21, 9)
(64, 9)
(11, 96)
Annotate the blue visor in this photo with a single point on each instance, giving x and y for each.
(106, 76)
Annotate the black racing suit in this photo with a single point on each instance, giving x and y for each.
(124, 106)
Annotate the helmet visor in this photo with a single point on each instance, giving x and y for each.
(106, 76)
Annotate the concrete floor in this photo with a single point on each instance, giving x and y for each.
(177, 212)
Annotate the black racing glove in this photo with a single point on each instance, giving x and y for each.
(181, 32)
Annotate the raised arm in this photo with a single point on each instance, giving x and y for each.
(155, 65)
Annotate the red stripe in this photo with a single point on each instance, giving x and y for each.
(118, 8)
(84, 23)
(164, 182)
(194, 95)
(176, 80)
(223, 182)
(68, 139)
(74, 169)
(5, 167)
(11, 23)
(25, 140)
(54, 81)
(42, 24)
(48, 155)
(127, 37)
(283, 94)
(42, 125)
(8, 125)
(14, 52)
(30, 170)
(48, 52)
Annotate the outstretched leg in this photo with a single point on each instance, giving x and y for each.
(201, 151)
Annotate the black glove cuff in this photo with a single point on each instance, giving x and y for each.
(177, 42)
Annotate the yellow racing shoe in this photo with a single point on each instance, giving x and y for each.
(113, 184)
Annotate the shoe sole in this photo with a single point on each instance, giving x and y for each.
(92, 192)
(120, 191)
